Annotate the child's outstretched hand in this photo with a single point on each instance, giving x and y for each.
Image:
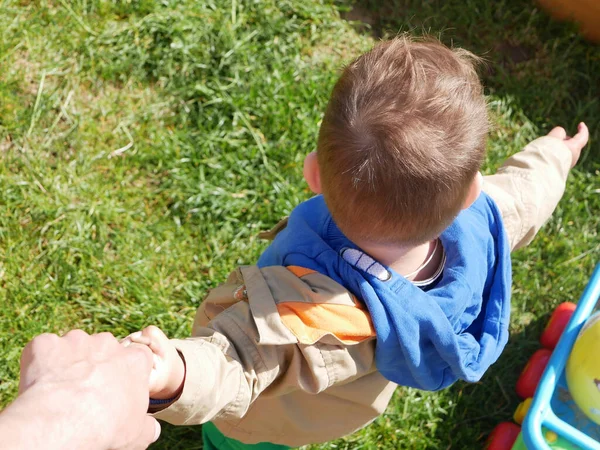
(575, 143)
(168, 371)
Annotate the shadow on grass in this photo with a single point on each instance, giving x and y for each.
(479, 407)
(545, 66)
(179, 438)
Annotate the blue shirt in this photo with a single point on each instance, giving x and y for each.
(426, 338)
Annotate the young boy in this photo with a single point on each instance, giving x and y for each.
(399, 273)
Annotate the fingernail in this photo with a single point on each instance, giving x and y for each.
(156, 431)
(126, 342)
(136, 335)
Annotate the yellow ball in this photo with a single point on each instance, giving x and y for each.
(583, 369)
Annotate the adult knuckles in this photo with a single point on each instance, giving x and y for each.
(40, 344)
(35, 356)
(76, 335)
(105, 339)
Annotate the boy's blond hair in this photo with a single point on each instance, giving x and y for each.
(401, 141)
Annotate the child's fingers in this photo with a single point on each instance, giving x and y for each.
(136, 338)
(158, 340)
(141, 343)
(558, 132)
(145, 340)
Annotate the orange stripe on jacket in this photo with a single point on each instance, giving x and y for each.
(300, 271)
(309, 322)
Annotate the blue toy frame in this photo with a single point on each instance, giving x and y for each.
(541, 412)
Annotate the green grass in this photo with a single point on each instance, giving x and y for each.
(144, 144)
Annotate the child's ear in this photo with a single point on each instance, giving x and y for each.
(474, 190)
(311, 172)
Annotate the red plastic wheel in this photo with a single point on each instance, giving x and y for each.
(530, 377)
(556, 325)
(503, 436)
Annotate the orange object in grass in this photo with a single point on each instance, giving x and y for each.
(586, 13)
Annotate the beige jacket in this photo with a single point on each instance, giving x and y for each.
(286, 355)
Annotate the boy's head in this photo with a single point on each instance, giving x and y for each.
(401, 142)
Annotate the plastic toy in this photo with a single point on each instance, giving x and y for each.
(552, 439)
(549, 414)
(584, 12)
(521, 411)
(583, 369)
(532, 373)
(556, 325)
(503, 436)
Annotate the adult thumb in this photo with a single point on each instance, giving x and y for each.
(150, 432)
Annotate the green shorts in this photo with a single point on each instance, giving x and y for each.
(215, 440)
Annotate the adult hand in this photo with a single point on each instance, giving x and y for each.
(81, 392)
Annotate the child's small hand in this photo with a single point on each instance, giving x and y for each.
(575, 143)
(168, 372)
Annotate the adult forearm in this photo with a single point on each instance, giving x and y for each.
(40, 418)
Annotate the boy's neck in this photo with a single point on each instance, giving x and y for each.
(407, 259)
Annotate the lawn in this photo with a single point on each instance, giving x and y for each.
(144, 145)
